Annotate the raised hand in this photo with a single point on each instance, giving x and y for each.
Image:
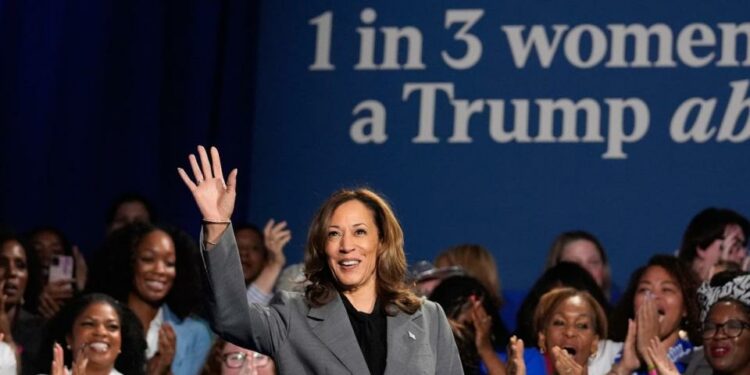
(54, 295)
(276, 236)
(80, 361)
(482, 323)
(565, 364)
(629, 361)
(647, 317)
(161, 362)
(516, 364)
(58, 361)
(214, 197)
(657, 355)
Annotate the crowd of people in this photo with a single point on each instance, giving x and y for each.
(153, 300)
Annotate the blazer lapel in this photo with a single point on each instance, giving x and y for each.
(404, 335)
(331, 324)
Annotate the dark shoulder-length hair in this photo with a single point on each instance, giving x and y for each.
(113, 272)
(688, 284)
(707, 226)
(132, 358)
(33, 268)
(391, 262)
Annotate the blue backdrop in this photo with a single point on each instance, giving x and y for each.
(624, 118)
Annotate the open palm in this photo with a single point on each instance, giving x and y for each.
(214, 197)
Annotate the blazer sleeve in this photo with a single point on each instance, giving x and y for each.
(254, 326)
(448, 360)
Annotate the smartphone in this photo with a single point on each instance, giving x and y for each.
(61, 268)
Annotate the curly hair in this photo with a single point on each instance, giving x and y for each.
(688, 284)
(112, 270)
(391, 261)
(132, 358)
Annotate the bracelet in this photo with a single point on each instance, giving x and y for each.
(209, 221)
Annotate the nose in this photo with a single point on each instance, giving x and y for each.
(570, 331)
(161, 267)
(346, 245)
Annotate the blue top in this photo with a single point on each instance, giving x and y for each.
(679, 354)
(194, 340)
(534, 359)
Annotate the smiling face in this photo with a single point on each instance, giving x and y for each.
(352, 246)
(585, 254)
(725, 354)
(571, 326)
(14, 270)
(667, 296)
(252, 253)
(96, 331)
(154, 267)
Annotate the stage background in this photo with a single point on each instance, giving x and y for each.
(105, 97)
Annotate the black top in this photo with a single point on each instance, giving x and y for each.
(371, 333)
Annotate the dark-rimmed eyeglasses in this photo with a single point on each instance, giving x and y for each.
(238, 359)
(732, 328)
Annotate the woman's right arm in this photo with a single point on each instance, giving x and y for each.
(254, 327)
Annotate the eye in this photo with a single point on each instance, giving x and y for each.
(87, 323)
(113, 327)
(558, 323)
(171, 263)
(642, 290)
(146, 259)
(333, 234)
(360, 232)
(582, 326)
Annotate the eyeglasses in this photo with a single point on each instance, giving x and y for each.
(732, 328)
(237, 359)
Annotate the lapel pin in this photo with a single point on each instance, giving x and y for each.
(411, 336)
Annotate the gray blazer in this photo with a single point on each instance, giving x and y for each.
(319, 340)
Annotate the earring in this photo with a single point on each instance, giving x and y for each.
(541, 349)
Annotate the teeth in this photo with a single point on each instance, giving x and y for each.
(661, 318)
(349, 262)
(156, 284)
(99, 346)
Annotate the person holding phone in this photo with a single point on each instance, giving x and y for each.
(356, 316)
(64, 269)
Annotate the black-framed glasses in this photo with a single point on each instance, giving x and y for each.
(238, 359)
(732, 328)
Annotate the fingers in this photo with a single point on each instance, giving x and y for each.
(216, 163)
(57, 360)
(167, 342)
(188, 182)
(205, 163)
(196, 169)
(232, 181)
